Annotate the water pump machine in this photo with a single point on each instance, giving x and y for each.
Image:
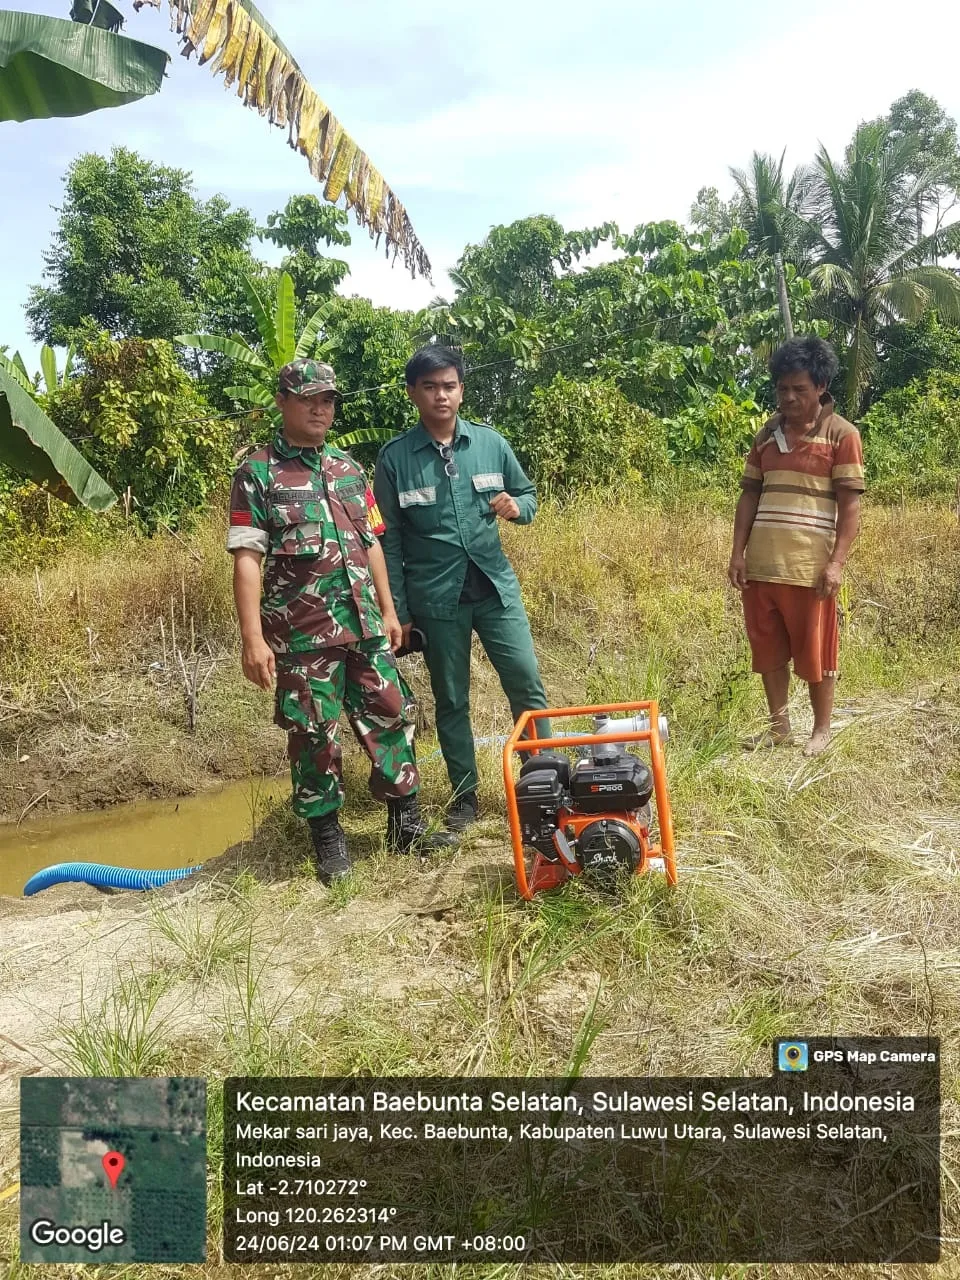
(592, 815)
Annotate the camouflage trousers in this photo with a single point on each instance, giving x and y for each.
(313, 689)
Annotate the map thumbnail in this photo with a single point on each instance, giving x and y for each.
(113, 1170)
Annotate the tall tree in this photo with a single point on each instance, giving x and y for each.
(136, 254)
(920, 120)
(872, 270)
(302, 227)
(714, 216)
(768, 207)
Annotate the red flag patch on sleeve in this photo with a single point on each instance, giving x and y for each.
(373, 514)
(241, 517)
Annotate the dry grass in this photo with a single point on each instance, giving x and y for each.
(815, 897)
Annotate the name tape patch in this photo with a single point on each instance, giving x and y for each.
(418, 497)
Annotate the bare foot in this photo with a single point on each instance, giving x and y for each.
(819, 741)
(769, 738)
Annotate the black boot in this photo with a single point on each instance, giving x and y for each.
(463, 811)
(408, 833)
(330, 844)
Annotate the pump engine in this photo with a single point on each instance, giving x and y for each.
(595, 813)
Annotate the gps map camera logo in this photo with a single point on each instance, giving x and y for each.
(792, 1056)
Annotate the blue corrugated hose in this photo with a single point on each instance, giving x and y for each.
(103, 877)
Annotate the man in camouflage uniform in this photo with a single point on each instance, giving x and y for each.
(322, 623)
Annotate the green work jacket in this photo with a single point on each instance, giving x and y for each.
(436, 524)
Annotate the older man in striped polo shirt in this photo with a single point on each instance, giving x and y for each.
(796, 520)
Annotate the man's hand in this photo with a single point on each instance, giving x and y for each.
(737, 571)
(405, 629)
(505, 507)
(828, 584)
(259, 664)
(395, 633)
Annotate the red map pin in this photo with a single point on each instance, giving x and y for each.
(113, 1163)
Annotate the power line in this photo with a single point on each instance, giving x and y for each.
(513, 360)
(468, 371)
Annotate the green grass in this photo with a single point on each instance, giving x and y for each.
(124, 1034)
(206, 942)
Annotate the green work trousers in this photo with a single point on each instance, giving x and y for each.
(504, 632)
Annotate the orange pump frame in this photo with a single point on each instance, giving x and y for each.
(546, 874)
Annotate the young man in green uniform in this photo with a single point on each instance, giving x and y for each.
(322, 623)
(441, 487)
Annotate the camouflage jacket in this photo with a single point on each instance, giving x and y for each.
(307, 512)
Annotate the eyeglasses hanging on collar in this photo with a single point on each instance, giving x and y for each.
(449, 466)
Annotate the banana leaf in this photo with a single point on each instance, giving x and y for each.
(53, 67)
(362, 435)
(32, 446)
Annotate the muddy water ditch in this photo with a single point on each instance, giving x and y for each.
(146, 835)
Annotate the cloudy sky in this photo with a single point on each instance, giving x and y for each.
(477, 115)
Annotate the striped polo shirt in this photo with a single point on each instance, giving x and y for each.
(795, 527)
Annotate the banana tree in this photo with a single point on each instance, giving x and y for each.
(49, 375)
(237, 41)
(32, 446)
(16, 369)
(279, 345)
(53, 67)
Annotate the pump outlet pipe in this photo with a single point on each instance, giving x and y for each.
(607, 727)
(102, 877)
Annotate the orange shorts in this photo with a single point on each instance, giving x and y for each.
(784, 622)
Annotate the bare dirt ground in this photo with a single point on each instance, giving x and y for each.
(61, 952)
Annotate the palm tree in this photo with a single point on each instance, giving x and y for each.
(768, 213)
(871, 268)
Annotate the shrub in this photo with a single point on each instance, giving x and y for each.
(141, 421)
(579, 434)
(35, 526)
(911, 437)
(716, 433)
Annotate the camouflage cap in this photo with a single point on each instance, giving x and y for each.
(306, 378)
